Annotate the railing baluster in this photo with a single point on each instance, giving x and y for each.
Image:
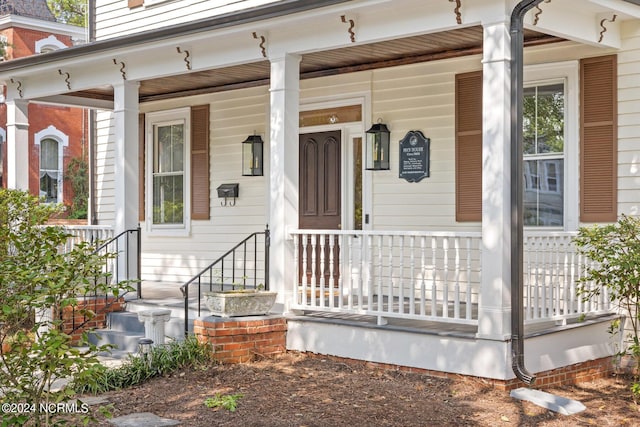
(380, 277)
(456, 279)
(332, 238)
(323, 268)
(305, 256)
(367, 268)
(314, 260)
(422, 298)
(468, 291)
(434, 288)
(401, 275)
(390, 298)
(412, 276)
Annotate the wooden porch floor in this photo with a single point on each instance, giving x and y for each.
(168, 295)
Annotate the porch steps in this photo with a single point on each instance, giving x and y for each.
(124, 329)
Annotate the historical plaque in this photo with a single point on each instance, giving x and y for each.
(414, 156)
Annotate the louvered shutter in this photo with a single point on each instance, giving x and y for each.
(598, 136)
(200, 202)
(468, 99)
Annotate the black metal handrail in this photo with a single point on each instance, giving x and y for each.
(113, 245)
(230, 278)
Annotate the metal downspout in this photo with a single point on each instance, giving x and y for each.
(517, 205)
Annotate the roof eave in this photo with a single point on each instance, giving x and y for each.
(258, 13)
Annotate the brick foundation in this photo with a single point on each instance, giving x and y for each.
(241, 340)
(72, 317)
(573, 374)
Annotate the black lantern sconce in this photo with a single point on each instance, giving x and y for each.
(252, 159)
(377, 147)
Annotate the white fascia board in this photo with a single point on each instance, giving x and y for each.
(581, 24)
(625, 8)
(73, 101)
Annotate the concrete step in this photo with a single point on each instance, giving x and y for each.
(125, 321)
(122, 341)
(175, 306)
(128, 321)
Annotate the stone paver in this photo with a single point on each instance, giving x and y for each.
(550, 401)
(143, 419)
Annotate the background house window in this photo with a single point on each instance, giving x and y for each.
(51, 142)
(50, 171)
(544, 141)
(49, 44)
(168, 178)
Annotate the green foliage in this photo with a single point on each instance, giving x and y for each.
(37, 280)
(72, 12)
(615, 252)
(228, 401)
(161, 360)
(78, 175)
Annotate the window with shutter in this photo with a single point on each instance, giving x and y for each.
(598, 135)
(175, 159)
(468, 104)
(550, 137)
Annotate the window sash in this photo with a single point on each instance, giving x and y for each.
(544, 152)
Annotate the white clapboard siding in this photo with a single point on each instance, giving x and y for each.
(233, 116)
(104, 162)
(419, 97)
(114, 18)
(629, 122)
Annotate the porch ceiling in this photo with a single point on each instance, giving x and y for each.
(420, 48)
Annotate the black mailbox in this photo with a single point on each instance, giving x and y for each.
(228, 190)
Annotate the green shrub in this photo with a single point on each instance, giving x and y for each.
(615, 252)
(160, 361)
(37, 279)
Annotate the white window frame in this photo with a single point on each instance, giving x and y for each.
(153, 119)
(49, 44)
(567, 72)
(51, 132)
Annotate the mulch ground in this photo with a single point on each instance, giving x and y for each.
(302, 390)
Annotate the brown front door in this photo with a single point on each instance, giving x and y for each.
(320, 199)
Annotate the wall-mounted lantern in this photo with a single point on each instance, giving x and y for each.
(377, 147)
(252, 156)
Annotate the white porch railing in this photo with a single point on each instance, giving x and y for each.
(87, 233)
(410, 275)
(432, 276)
(552, 269)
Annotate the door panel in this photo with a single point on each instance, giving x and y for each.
(320, 203)
(320, 180)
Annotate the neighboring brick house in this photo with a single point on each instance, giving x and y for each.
(57, 134)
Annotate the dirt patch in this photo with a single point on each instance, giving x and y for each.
(301, 390)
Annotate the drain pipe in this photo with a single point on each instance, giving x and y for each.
(517, 205)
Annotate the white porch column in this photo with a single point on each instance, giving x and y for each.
(125, 169)
(126, 174)
(494, 315)
(18, 144)
(283, 191)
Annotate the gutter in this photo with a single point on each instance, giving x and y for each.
(517, 204)
(227, 20)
